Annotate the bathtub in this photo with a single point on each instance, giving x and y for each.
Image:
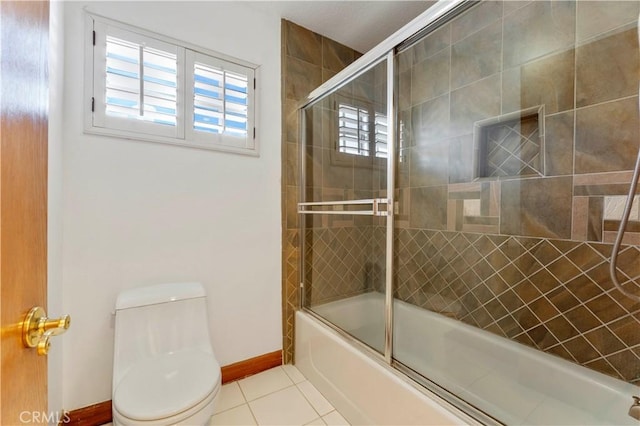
(511, 382)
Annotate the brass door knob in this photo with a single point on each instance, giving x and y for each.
(37, 329)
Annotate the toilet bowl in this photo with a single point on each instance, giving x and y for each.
(164, 369)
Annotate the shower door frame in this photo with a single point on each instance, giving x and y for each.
(389, 57)
(439, 14)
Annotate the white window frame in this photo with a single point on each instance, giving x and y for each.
(183, 134)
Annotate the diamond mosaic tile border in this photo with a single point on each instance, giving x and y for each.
(553, 295)
(342, 262)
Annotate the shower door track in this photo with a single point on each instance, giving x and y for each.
(455, 405)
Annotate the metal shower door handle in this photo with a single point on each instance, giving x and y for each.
(376, 207)
(304, 208)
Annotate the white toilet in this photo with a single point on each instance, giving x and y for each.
(164, 368)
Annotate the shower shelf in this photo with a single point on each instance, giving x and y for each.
(510, 145)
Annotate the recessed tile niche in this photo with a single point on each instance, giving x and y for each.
(510, 145)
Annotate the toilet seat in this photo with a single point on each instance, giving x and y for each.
(198, 415)
(166, 386)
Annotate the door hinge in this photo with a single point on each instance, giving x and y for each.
(93, 104)
(254, 132)
(254, 84)
(94, 38)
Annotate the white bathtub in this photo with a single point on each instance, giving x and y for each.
(512, 382)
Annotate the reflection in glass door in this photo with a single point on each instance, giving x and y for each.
(344, 206)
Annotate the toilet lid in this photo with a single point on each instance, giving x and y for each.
(166, 385)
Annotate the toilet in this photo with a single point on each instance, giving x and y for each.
(164, 368)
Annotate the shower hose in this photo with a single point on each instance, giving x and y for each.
(625, 216)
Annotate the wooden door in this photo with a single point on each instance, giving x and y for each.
(24, 30)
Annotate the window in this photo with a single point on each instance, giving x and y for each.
(361, 131)
(145, 86)
(220, 94)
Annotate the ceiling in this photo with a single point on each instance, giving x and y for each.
(358, 24)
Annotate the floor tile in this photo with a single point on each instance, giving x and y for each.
(236, 416)
(293, 373)
(230, 396)
(334, 418)
(285, 407)
(319, 403)
(264, 383)
(316, 422)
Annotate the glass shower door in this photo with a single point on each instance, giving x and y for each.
(344, 204)
(520, 129)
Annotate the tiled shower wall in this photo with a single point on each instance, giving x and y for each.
(524, 253)
(308, 60)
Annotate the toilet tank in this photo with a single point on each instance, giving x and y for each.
(159, 319)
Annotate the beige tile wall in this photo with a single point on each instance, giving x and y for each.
(308, 60)
(509, 255)
(525, 256)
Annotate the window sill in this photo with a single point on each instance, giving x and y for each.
(128, 135)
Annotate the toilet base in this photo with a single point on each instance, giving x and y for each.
(200, 414)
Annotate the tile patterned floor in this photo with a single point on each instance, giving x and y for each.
(280, 396)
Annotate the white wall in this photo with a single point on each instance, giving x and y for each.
(138, 213)
(54, 197)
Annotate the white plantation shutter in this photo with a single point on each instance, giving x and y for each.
(357, 127)
(148, 91)
(137, 82)
(353, 130)
(221, 102)
(380, 138)
(149, 87)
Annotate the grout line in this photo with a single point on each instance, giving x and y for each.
(308, 400)
(522, 4)
(575, 125)
(607, 33)
(476, 29)
(609, 101)
(255, 419)
(320, 416)
(235, 406)
(502, 62)
(230, 408)
(242, 392)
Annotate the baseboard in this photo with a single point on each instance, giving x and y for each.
(251, 366)
(93, 415)
(99, 414)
